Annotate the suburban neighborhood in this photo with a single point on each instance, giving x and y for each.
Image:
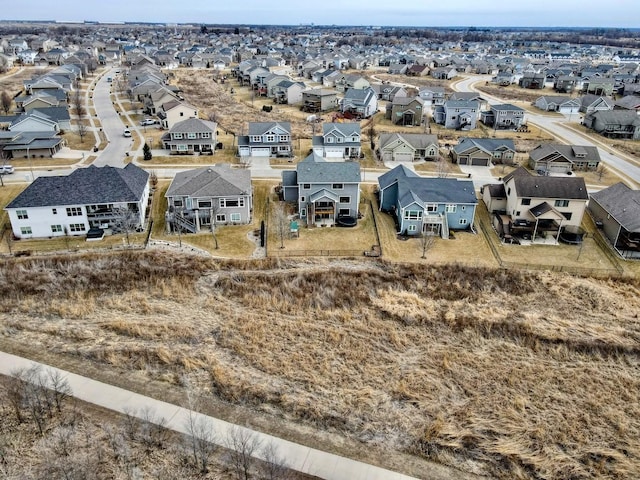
(317, 234)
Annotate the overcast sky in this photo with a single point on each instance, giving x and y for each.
(571, 13)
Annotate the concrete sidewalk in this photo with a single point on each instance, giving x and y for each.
(298, 457)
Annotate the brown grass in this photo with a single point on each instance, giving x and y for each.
(497, 372)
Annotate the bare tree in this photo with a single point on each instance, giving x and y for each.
(274, 466)
(442, 167)
(125, 220)
(77, 103)
(82, 129)
(243, 444)
(215, 208)
(281, 222)
(200, 437)
(426, 242)
(6, 100)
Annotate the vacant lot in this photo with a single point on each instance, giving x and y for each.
(501, 373)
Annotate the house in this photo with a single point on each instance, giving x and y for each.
(323, 190)
(558, 103)
(406, 111)
(266, 139)
(175, 111)
(595, 103)
(34, 122)
(384, 91)
(503, 116)
(532, 80)
(557, 158)
(616, 210)
(597, 85)
(407, 147)
(615, 123)
(191, 136)
(351, 81)
(360, 103)
(432, 96)
(444, 73)
(483, 151)
(564, 83)
(338, 140)
(319, 100)
(217, 192)
(629, 102)
(417, 70)
(457, 114)
(15, 144)
(90, 197)
(431, 206)
(535, 208)
(288, 92)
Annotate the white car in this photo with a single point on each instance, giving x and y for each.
(147, 121)
(127, 132)
(5, 169)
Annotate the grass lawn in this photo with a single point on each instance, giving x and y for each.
(24, 163)
(74, 141)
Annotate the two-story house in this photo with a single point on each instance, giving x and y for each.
(535, 208)
(558, 103)
(319, 100)
(483, 151)
(360, 103)
(406, 111)
(191, 136)
(175, 111)
(323, 191)
(432, 96)
(215, 193)
(457, 114)
(266, 139)
(407, 147)
(503, 116)
(427, 205)
(88, 198)
(559, 158)
(615, 123)
(338, 140)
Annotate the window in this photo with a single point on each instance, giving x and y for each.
(463, 221)
(191, 135)
(74, 211)
(182, 148)
(339, 140)
(413, 215)
(432, 207)
(256, 138)
(302, 199)
(526, 201)
(450, 208)
(561, 203)
(306, 186)
(412, 228)
(337, 186)
(54, 211)
(271, 138)
(205, 135)
(182, 114)
(283, 148)
(22, 214)
(567, 215)
(283, 138)
(344, 199)
(177, 136)
(177, 203)
(303, 212)
(235, 217)
(221, 217)
(509, 191)
(76, 227)
(204, 204)
(26, 231)
(344, 211)
(463, 208)
(231, 202)
(56, 228)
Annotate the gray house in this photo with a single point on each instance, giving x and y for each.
(338, 140)
(323, 190)
(266, 139)
(483, 151)
(503, 116)
(319, 100)
(217, 192)
(408, 147)
(615, 123)
(457, 114)
(360, 103)
(617, 210)
(406, 111)
(427, 205)
(560, 158)
(191, 136)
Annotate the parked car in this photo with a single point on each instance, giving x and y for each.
(148, 121)
(6, 169)
(127, 132)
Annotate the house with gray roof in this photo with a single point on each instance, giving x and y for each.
(406, 111)
(266, 139)
(359, 103)
(431, 206)
(616, 210)
(457, 114)
(88, 198)
(558, 103)
(594, 103)
(217, 193)
(322, 190)
(319, 100)
(483, 151)
(16, 144)
(503, 116)
(528, 207)
(338, 140)
(288, 92)
(407, 147)
(615, 123)
(191, 136)
(559, 158)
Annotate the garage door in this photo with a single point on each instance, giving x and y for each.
(403, 157)
(260, 152)
(483, 162)
(462, 160)
(334, 152)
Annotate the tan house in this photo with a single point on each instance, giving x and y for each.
(175, 111)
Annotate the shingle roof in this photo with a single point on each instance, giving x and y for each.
(506, 107)
(194, 125)
(550, 187)
(416, 140)
(347, 128)
(212, 181)
(260, 128)
(314, 169)
(486, 144)
(622, 203)
(570, 152)
(85, 186)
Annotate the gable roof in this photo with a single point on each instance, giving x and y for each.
(193, 125)
(622, 203)
(315, 169)
(570, 152)
(260, 128)
(488, 145)
(85, 186)
(533, 186)
(212, 181)
(416, 140)
(347, 128)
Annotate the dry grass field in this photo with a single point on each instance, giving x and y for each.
(501, 373)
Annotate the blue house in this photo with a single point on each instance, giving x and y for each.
(430, 205)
